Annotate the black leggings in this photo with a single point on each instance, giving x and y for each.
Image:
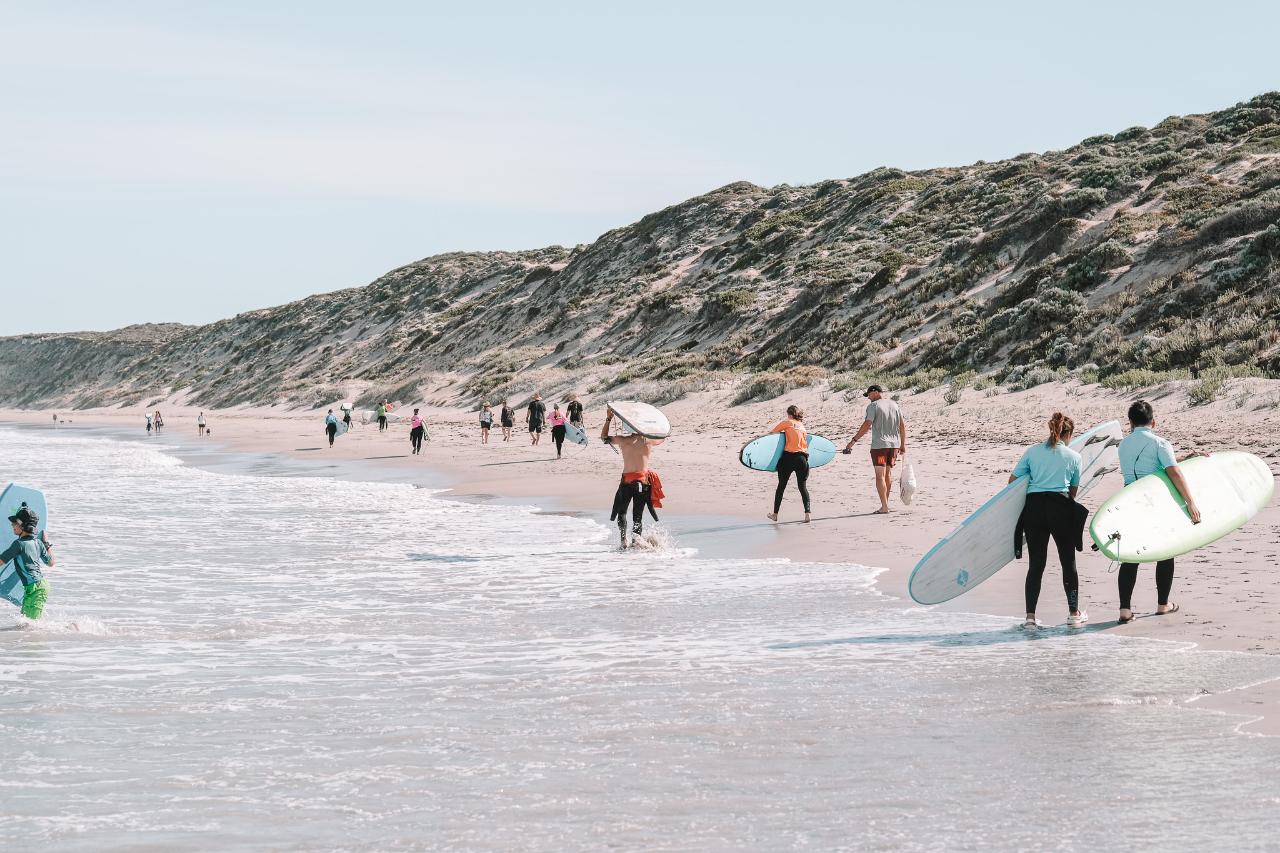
(557, 433)
(788, 463)
(1050, 514)
(1129, 578)
(332, 430)
(415, 438)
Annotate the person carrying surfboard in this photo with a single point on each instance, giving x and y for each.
(557, 421)
(1142, 453)
(27, 553)
(1054, 472)
(417, 429)
(346, 414)
(331, 426)
(640, 488)
(888, 440)
(381, 412)
(794, 459)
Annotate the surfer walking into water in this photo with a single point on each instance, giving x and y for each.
(486, 422)
(159, 422)
(27, 553)
(148, 425)
(1051, 511)
(417, 429)
(888, 430)
(507, 417)
(331, 426)
(640, 488)
(535, 417)
(794, 460)
(557, 421)
(1142, 452)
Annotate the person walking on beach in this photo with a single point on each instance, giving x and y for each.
(148, 426)
(1142, 452)
(381, 412)
(486, 422)
(640, 487)
(508, 419)
(1051, 511)
(159, 422)
(200, 425)
(535, 417)
(417, 429)
(888, 440)
(346, 415)
(27, 553)
(575, 411)
(331, 426)
(794, 460)
(557, 421)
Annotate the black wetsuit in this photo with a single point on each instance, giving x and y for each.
(415, 437)
(557, 435)
(1129, 578)
(1050, 515)
(332, 430)
(575, 413)
(638, 496)
(537, 415)
(792, 462)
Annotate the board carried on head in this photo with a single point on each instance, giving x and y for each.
(983, 543)
(11, 500)
(763, 453)
(1147, 520)
(641, 418)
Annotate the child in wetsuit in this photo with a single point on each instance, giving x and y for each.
(27, 553)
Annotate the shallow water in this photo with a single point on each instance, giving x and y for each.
(267, 663)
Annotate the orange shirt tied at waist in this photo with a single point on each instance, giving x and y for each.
(652, 480)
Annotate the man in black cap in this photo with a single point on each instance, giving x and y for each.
(888, 440)
(27, 553)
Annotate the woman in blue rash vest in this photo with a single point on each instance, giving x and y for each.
(1050, 512)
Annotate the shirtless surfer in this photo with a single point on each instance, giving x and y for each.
(640, 488)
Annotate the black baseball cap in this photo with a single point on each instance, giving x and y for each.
(25, 517)
(876, 388)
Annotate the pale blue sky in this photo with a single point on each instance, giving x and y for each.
(177, 161)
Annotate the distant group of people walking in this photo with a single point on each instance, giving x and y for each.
(536, 418)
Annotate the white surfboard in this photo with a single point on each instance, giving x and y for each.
(641, 418)
(1147, 520)
(983, 543)
(574, 434)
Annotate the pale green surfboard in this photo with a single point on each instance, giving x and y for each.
(1147, 521)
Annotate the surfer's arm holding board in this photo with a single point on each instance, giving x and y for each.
(1174, 473)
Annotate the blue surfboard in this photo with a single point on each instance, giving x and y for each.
(12, 500)
(763, 453)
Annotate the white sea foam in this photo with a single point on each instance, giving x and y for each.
(243, 662)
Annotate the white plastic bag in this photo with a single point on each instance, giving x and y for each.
(907, 482)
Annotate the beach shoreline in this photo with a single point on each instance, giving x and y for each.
(715, 505)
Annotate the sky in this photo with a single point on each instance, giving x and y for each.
(183, 162)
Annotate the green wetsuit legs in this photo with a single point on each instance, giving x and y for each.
(34, 598)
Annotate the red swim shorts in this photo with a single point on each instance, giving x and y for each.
(884, 456)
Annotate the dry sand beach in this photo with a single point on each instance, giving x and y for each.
(962, 453)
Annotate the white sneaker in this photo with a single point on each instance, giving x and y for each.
(1031, 623)
(1078, 621)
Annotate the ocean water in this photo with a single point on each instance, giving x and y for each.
(302, 663)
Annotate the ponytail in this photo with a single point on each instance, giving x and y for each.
(1060, 426)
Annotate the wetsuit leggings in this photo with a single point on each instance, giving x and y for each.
(1129, 578)
(557, 434)
(787, 464)
(636, 496)
(415, 438)
(1050, 515)
(332, 430)
(382, 422)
